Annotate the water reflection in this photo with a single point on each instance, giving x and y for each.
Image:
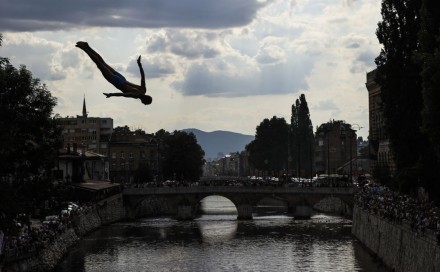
(224, 229)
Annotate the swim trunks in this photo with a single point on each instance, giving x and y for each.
(119, 80)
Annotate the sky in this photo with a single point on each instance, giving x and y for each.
(209, 64)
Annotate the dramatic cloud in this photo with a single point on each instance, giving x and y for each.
(186, 43)
(30, 15)
(32, 49)
(154, 67)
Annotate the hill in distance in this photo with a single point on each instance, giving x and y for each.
(220, 142)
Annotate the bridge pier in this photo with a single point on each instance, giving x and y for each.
(185, 212)
(302, 212)
(244, 212)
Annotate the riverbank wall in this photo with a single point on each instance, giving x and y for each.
(397, 245)
(104, 212)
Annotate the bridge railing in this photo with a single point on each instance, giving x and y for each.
(231, 189)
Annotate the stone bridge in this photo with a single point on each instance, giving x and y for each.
(184, 202)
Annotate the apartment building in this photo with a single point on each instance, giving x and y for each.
(335, 146)
(133, 156)
(89, 133)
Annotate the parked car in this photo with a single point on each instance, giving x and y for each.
(51, 219)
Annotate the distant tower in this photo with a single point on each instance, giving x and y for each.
(84, 107)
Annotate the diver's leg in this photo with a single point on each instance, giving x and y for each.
(92, 53)
(96, 58)
(107, 71)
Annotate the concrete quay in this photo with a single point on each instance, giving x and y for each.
(397, 245)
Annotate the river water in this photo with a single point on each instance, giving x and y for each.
(218, 242)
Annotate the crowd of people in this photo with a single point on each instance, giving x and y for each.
(421, 214)
(248, 182)
(28, 238)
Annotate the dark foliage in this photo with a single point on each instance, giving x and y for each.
(182, 157)
(409, 75)
(400, 81)
(29, 138)
(429, 58)
(268, 152)
(301, 138)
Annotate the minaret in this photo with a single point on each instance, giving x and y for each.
(84, 107)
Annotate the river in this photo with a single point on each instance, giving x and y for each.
(218, 242)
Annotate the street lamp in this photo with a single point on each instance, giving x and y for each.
(351, 134)
(327, 129)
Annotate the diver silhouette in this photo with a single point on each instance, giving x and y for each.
(128, 89)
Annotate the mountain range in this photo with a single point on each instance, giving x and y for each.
(218, 143)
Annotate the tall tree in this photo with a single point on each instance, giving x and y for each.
(268, 151)
(429, 58)
(182, 156)
(294, 143)
(306, 135)
(399, 77)
(301, 140)
(160, 136)
(29, 136)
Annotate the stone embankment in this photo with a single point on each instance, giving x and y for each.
(103, 212)
(397, 245)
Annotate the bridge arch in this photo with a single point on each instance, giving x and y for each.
(217, 204)
(244, 207)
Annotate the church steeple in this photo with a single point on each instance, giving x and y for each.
(84, 107)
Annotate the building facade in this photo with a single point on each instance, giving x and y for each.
(76, 165)
(89, 133)
(335, 146)
(133, 156)
(233, 164)
(380, 152)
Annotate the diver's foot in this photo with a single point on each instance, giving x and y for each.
(107, 95)
(82, 44)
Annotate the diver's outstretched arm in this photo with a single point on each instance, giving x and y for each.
(132, 95)
(142, 74)
(145, 99)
